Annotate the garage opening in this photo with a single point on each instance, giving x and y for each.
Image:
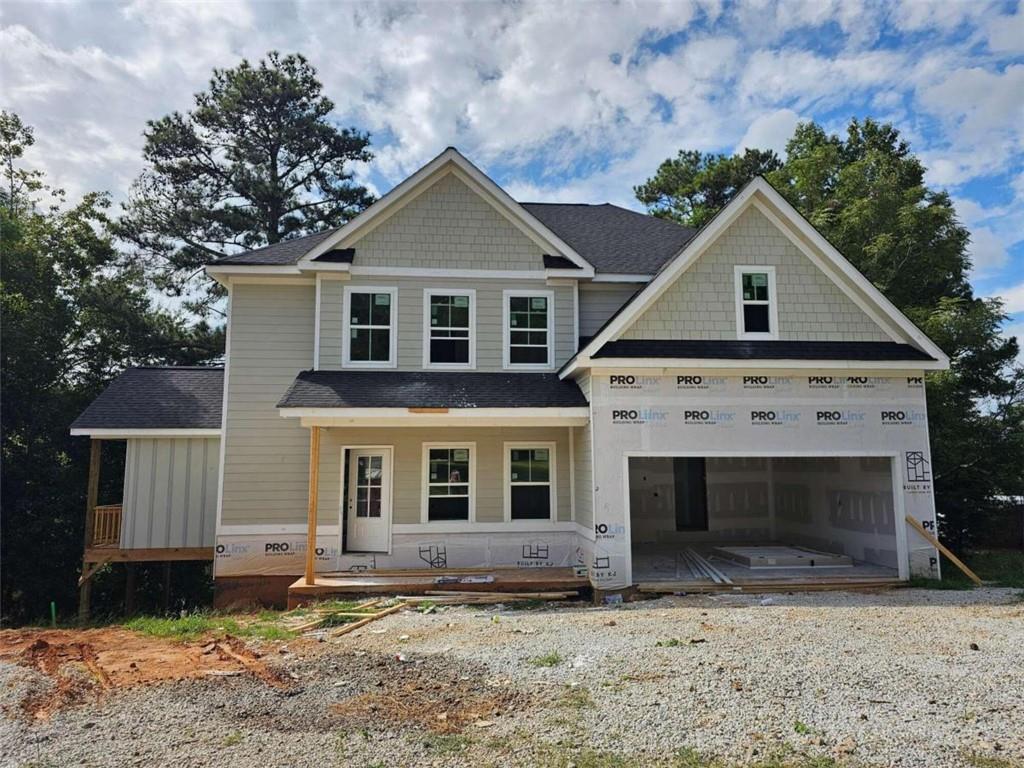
(749, 520)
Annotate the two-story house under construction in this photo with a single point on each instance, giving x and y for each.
(461, 382)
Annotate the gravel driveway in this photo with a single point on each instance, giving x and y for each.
(900, 678)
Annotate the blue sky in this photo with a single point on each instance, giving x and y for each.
(557, 101)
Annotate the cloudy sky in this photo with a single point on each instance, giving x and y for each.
(557, 101)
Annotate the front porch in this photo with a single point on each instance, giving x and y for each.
(437, 581)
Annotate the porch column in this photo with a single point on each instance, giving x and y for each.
(314, 489)
(91, 497)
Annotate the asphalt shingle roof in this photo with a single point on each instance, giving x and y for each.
(611, 238)
(279, 254)
(763, 350)
(158, 398)
(430, 389)
(614, 239)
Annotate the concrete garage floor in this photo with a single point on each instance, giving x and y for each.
(658, 563)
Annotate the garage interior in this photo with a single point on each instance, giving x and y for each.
(726, 523)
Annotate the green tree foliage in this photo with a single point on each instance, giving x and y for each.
(257, 161)
(866, 194)
(692, 187)
(75, 313)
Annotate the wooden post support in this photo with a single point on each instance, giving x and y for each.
(930, 538)
(314, 490)
(167, 586)
(91, 497)
(129, 589)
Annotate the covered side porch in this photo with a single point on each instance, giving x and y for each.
(439, 482)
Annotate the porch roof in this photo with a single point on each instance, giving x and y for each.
(156, 400)
(430, 390)
(762, 350)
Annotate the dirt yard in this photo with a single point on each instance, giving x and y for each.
(903, 678)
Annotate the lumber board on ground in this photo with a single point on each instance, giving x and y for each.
(931, 539)
(346, 628)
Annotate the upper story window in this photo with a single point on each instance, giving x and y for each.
(368, 338)
(529, 330)
(448, 335)
(756, 307)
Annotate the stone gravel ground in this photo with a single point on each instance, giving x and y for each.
(900, 678)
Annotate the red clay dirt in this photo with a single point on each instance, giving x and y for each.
(83, 664)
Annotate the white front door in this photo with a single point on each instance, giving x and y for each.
(369, 500)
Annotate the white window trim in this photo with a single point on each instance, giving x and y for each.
(773, 303)
(427, 294)
(346, 330)
(425, 483)
(506, 330)
(552, 475)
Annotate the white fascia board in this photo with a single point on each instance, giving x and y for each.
(678, 264)
(124, 434)
(616, 364)
(854, 275)
(696, 247)
(616, 277)
(252, 269)
(403, 417)
(451, 160)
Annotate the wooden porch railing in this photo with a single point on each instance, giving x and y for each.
(106, 529)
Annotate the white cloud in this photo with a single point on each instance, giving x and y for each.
(770, 131)
(988, 253)
(1013, 298)
(569, 101)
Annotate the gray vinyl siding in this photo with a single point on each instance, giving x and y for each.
(408, 467)
(170, 493)
(489, 317)
(584, 471)
(448, 226)
(599, 301)
(701, 303)
(266, 461)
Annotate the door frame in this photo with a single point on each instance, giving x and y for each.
(390, 482)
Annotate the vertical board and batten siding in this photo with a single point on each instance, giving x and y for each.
(170, 493)
(448, 226)
(599, 301)
(489, 317)
(266, 461)
(701, 303)
(407, 470)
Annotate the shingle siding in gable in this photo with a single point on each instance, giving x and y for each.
(701, 304)
(448, 226)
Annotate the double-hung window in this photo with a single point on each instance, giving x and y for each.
(529, 329)
(449, 320)
(448, 491)
(756, 308)
(529, 481)
(368, 338)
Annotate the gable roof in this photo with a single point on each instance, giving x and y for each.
(615, 240)
(156, 398)
(451, 161)
(600, 238)
(760, 194)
